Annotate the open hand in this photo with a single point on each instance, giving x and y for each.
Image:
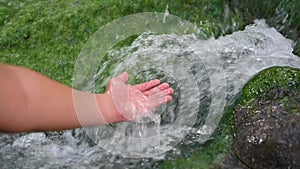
(135, 101)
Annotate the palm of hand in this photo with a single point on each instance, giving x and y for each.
(134, 102)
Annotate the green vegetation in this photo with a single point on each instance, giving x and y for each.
(282, 77)
(47, 36)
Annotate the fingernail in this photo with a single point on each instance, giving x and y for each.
(168, 98)
(156, 81)
(164, 85)
(171, 91)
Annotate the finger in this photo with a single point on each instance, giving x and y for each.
(159, 93)
(122, 77)
(161, 98)
(147, 85)
(163, 86)
(169, 98)
(157, 89)
(161, 101)
(109, 86)
(168, 91)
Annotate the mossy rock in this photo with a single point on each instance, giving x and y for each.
(268, 131)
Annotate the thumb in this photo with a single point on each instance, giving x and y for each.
(122, 77)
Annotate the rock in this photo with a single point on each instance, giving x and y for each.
(267, 133)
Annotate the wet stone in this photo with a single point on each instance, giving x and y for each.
(268, 131)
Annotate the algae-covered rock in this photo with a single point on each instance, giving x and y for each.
(268, 131)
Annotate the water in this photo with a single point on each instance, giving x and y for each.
(211, 71)
(207, 75)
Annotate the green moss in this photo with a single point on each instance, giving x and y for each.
(283, 77)
(47, 36)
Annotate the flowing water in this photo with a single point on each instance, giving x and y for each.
(207, 76)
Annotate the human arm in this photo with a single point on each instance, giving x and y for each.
(30, 101)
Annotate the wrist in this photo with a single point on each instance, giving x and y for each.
(108, 109)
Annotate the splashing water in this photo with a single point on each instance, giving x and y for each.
(207, 75)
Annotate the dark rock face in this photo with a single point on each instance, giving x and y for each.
(268, 131)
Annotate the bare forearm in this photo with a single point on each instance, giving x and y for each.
(33, 102)
(50, 103)
(30, 101)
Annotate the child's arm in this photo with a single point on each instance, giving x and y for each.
(30, 101)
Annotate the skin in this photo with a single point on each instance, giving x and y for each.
(30, 101)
